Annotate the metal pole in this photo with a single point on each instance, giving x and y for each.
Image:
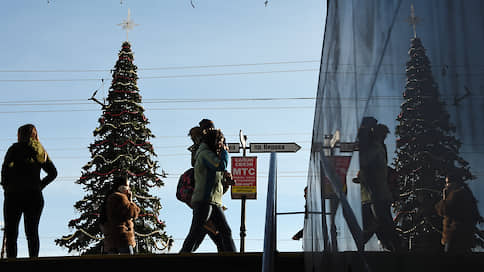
(270, 231)
(242, 225)
(243, 230)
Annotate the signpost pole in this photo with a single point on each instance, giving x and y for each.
(242, 225)
(243, 230)
(244, 172)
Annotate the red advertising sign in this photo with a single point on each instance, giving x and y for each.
(340, 164)
(244, 172)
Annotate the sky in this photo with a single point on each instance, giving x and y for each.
(243, 64)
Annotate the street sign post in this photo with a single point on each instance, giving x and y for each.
(244, 172)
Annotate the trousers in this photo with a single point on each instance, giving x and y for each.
(202, 212)
(29, 204)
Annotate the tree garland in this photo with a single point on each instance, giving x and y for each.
(123, 101)
(125, 112)
(133, 124)
(85, 176)
(123, 144)
(89, 164)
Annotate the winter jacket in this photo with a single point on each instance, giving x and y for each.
(21, 168)
(209, 175)
(460, 216)
(119, 227)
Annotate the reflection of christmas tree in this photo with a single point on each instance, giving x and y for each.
(121, 148)
(426, 152)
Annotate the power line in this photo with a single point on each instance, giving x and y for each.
(168, 136)
(168, 76)
(479, 74)
(172, 109)
(365, 66)
(50, 102)
(236, 74)
(66, 102)
(164, 68)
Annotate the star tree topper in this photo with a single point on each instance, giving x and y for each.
(127, 24)
(413, 20)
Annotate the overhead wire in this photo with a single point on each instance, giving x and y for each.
(167, 76)
(477, 74)
(163, 68)
(208, 66)
(50, 102)
(80, 101)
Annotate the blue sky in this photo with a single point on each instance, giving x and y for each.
(219, 60)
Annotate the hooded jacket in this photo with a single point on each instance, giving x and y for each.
(460, 216)
(209, 175)
(119, 227)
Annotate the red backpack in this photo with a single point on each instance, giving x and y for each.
(184, 189)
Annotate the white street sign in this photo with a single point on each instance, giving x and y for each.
(273, 147)
(234, 147)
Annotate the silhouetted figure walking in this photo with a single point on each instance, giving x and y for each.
(374, 179)
(210, 165)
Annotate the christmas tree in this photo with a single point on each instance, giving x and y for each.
(121, 147)
(427, 151)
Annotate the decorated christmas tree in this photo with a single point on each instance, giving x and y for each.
(427, 151)
(121, 147)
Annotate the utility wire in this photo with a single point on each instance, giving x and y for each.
(168, 76)
(365, 66)
(62, 102)
(50, 102)
(173, 109)
(479, 74)
(163, 68)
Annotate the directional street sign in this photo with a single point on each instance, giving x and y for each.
(234, 147)
(348, 147)
(273, 147)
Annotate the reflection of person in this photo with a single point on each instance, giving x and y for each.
(117, 218)
(299, 234)
(460, 215)
(211, 162)
(369, 222)
(23, 188)
(374, 179)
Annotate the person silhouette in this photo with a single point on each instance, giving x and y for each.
(23, 187)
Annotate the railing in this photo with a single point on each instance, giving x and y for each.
(270, 233)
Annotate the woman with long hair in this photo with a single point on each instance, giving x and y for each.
(23, 187)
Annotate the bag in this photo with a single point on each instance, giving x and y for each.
(184, 189)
